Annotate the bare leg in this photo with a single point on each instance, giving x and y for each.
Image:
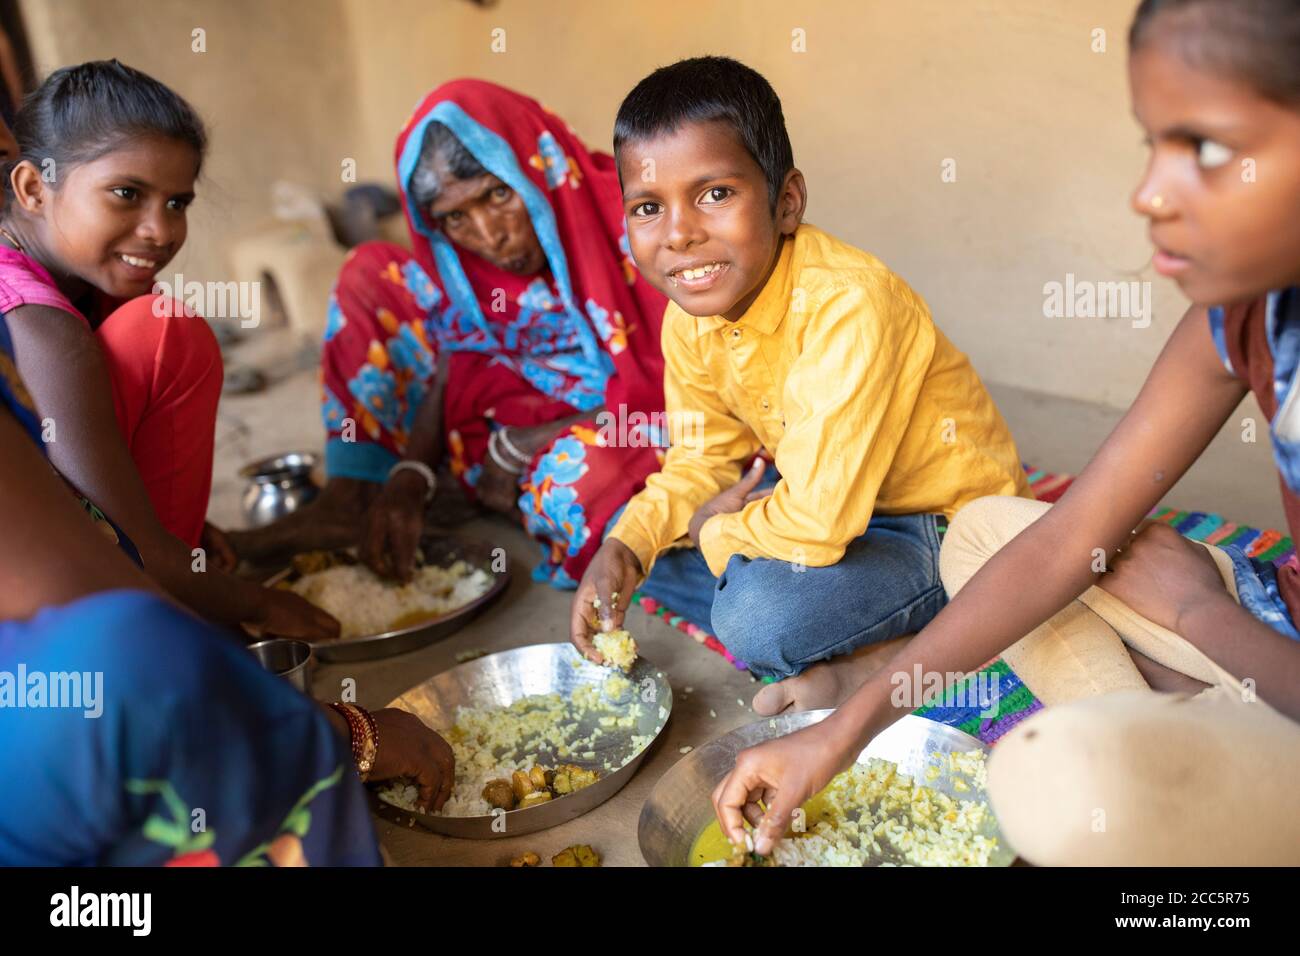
(330, 521)
(1165, 678)
(827, 683)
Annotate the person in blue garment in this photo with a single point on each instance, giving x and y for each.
(133, 733)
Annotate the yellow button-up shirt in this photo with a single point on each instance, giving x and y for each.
(839, 372)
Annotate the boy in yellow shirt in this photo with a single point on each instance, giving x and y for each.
(781, 339)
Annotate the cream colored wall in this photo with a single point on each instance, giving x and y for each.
(1038, 124)
(275, 87)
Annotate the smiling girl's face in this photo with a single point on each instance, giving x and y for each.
(112, 222)
(1222, 186)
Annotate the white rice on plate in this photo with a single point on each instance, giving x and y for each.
(490, 743)
(876, 813)
(366, 604)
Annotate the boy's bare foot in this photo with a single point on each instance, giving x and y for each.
(828, 683)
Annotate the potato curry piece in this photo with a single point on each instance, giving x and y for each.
(538, 785)
(579, 855)
(499, 794)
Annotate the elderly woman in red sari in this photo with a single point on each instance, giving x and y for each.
(518, 343)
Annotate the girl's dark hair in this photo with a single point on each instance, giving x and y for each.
(82, 112)
(706, 88)
(440, 152)
(1256, 41)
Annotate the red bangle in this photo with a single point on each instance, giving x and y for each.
(364, 734)
(372, 729)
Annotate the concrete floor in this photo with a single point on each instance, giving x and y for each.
(1234, 478)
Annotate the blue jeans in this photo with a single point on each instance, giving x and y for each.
(781, 618)
(1258, 592)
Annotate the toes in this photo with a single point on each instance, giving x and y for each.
(772, 699)
(815, 688)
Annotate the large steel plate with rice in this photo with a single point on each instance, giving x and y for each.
(522, 678)
(679, 809)
(387, 640)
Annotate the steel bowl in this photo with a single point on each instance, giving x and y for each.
(290, 659)
(443, 550)
(499, 680)
(278, 486)
(679, 807)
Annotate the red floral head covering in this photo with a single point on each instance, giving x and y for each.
(608, 317)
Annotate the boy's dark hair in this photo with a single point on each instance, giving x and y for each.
(440, 152)
(1256, 41)
(82, 112)
(706, 88)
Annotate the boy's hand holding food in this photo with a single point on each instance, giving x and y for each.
(603, 595)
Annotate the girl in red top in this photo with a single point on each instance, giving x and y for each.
(126, 383)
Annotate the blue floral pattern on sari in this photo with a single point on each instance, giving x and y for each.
(553, 510)
(560, 505)
(420, 286)
(416, 390)
(334, 318)
(537, 297)
(377, 391)
(540, 377)
(564, 463)
(408, 354)
(552, 160)
(333, 412)
(543, 327)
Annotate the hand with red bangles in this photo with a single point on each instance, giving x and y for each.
(409, 749)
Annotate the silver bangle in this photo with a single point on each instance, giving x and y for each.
(430, 479)
(513, 451)
(495, 455)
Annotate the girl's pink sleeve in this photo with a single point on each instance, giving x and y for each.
(24, 282)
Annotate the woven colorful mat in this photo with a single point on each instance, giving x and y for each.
(994, 699)
(1260, 544)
